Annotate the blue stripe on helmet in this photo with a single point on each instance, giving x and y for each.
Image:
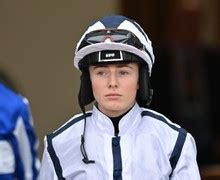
(112, 21)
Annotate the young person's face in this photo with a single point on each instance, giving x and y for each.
(114, 87)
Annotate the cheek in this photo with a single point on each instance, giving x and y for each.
(131, 86)
(97, 88)
(133, 82)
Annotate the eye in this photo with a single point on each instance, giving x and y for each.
(101, 73)
(123, 73)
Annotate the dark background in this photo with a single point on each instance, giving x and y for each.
(185, 77)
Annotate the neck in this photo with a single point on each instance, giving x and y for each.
(115, 121)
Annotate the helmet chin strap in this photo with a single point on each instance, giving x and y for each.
(82, 145)
(82, 103)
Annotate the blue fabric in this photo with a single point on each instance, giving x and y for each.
(12, 107)
(7, 177)
(177, 148)
(116, 150)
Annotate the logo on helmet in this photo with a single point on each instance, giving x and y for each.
(110, 55)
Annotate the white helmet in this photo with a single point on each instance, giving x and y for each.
(111, 39)
(114, 39)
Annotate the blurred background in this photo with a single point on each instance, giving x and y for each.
(37, 41)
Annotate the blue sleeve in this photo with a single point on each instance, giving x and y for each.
(7, 176)
(16, 127)
(28, 122)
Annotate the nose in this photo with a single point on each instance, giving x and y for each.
(113, 81)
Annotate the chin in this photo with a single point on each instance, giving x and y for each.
(116, 108)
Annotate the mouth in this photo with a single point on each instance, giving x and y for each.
(113, 96)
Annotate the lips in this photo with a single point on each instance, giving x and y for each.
(113, 96)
